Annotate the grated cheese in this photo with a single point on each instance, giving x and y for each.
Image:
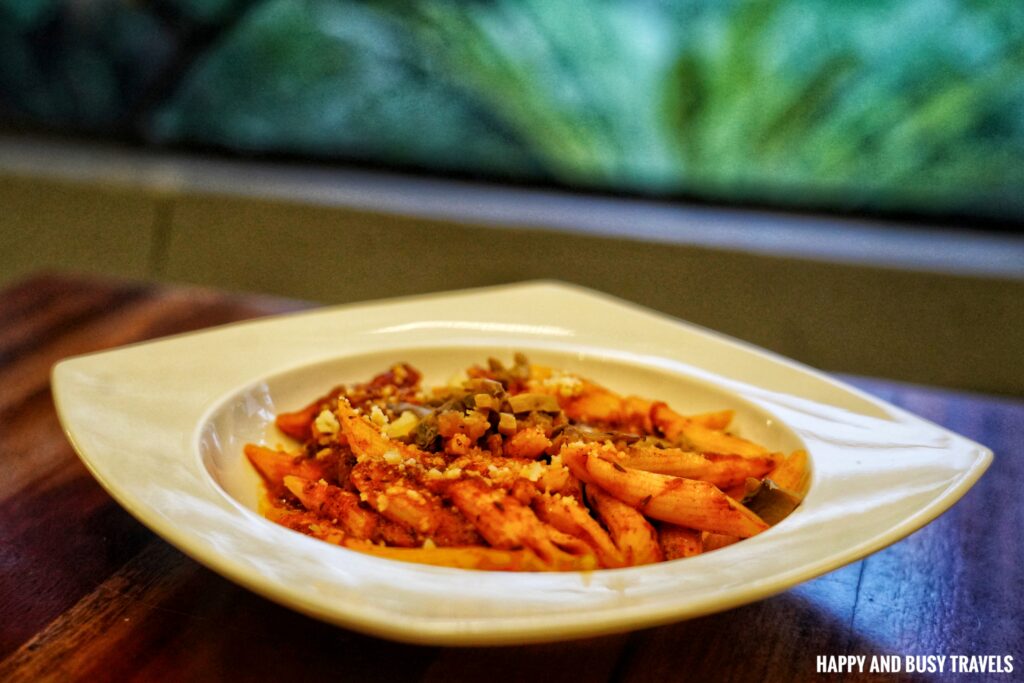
(534, 471)
(564, 384)
(378, 417)
(327, 423)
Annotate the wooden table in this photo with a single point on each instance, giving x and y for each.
(87, 592)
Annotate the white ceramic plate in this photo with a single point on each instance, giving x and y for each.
(161, 425)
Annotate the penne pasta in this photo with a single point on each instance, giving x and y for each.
(686, 502)
(571, 517)
(723, 471)
(792, 473)
(677, 542)
(681, 429)
(519, 468)
(633, 535)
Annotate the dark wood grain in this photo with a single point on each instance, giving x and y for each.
(87, 593)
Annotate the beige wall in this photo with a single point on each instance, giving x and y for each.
(58, 225)
(933, 328)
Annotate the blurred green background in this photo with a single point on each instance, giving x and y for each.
(912, 107)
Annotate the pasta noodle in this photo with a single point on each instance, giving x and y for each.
(519, 468)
